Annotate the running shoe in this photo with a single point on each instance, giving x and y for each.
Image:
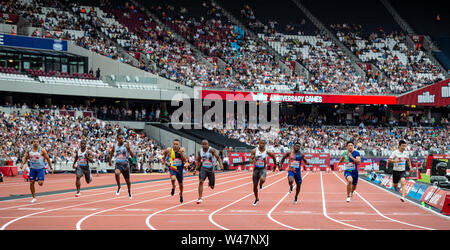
(172, 192)
(33, 200)
(290, 189)
(256, 202)
(199, 201)
(295, 200)
(348, 199)
(118, 191)
(402, 199)
(181, 199)
(77, 194)
(129, 195)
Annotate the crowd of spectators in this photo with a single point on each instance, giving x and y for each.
(406, 69)
(60, 136)
(369, 140)
(101, 26)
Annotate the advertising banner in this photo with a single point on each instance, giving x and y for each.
(417, 191)
(435, 197)
(437, 94)
(33, 42)
(296, 97)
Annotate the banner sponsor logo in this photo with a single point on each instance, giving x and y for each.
(445, 91)
(435, 197)
(425, 98)
(296, 97)
(436, 94)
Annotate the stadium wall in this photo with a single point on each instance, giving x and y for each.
(109, 66)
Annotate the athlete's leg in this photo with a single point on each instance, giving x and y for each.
(403, 189)
(117, 175)
(32, 188)
(211, 179)
(349, 185)
(297, 191)
(256, 178)
(200, 189)
(291, 182)
(78, 183)
(262, 179)
(127, 180)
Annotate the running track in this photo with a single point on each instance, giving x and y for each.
(229, 206)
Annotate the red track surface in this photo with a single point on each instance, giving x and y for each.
(229, 206)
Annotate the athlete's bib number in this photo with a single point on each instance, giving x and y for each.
(295, 164)
(260, 163)
(177, 162)
(121, 157)
(82, 162)
(350, 166)
(207, 164)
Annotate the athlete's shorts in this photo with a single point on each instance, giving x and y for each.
(397, 175)
(178, 174)
(258, 173)
(84, 170)
(207, 172)
(353, 174)
(297, 175)
(124, 169)
(36, 174)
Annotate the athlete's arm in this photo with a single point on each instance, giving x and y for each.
(198, 161)
(214, 152)
(304, 160)
(90, 156)
(25, 159)
(111, 154)
(166, 152)
(274, 160)
(129, 149)
(356, 159)
(341, 160)
(45, 155)
(391, 159)
(252, 156)
(409, 163)
(284, 158)
(183, 154)
(75, 159)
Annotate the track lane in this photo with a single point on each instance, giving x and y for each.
(215, 200)
(73, 206)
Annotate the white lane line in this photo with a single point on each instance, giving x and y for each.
(210, 217)
(325, 209)
(269, 214)
(86, 203)
(78, 225)
(418, 205)
(157, 183)
(382, 215)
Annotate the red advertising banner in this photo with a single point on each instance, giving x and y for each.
(318, 160)
(437, 94)
(238, 157)
(296, 97)
(436, 197)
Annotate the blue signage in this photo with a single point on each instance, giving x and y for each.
(33, 42)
